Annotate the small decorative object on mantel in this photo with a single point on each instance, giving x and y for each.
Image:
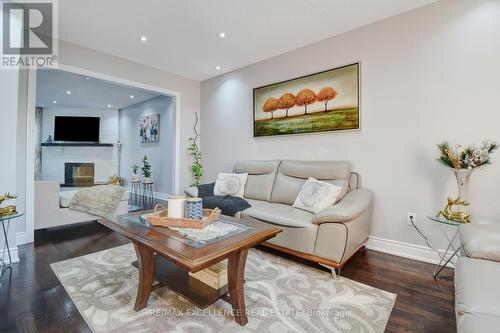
(115, 180)
(49, 139)
(146, 170)
(161, 218)
(463, 161)
(8, 210)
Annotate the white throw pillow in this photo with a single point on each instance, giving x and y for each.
(316, 195)
(231, 184)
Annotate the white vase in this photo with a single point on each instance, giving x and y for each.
(463, 178)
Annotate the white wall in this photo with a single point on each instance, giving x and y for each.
(9, 80)
(12, 93)
(427, 75)
(105, 159)
(160, 154)
(20, 224)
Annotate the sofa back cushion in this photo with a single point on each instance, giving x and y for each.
(261, 175)
(293, 174)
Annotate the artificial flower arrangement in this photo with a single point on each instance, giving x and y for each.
(463, 161)
(470, 157)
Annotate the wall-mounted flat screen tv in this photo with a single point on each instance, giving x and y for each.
(76, 129)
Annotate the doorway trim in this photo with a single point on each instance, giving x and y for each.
(30, 140)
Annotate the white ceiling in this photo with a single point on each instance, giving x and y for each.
(183, 35)
(86, 92)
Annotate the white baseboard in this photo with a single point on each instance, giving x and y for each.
(20, 238)
(406, 250)
(14, 254)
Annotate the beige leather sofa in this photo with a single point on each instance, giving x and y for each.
(329, 237)
(477, 276)
(51, 206)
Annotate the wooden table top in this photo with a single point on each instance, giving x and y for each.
(173, 246)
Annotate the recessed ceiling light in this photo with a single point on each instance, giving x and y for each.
(131, 96)
(222, 34)
(217, 67)
(55, 102)
(109, 105)
(144, 39)
(68, 92)
(87, 78)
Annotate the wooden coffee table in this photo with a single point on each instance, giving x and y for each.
(168, 256)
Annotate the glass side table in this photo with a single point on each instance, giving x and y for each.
(451, 250)
(5, 219)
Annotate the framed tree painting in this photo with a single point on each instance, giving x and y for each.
(321, 102)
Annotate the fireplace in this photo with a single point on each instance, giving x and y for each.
(79, 174)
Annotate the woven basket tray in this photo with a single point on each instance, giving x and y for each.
(160, 218)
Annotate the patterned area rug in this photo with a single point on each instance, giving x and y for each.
(281, 296)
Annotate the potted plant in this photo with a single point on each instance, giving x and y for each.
(135, 177)
(194, 151)
(146, 170)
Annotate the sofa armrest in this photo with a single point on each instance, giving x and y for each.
(481, 241)
(350, 207)
(191, 191)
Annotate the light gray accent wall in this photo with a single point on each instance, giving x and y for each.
(160, 154)
(427, 75)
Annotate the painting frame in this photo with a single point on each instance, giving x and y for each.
(149, 128)
(357, 76)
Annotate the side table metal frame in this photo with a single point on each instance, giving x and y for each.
(444, 258)
(6, 219)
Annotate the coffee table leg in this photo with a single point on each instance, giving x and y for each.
(145, 261)
(235, 276)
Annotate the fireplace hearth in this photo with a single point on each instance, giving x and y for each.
(78, 174)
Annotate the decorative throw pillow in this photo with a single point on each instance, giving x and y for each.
(232, 184)
(316, 195)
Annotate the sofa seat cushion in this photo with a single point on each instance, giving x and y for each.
(281, 214)
(477, 290)
(65, 196)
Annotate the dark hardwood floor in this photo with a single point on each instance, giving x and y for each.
(33, 300)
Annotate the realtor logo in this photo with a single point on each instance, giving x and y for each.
(29, 34)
